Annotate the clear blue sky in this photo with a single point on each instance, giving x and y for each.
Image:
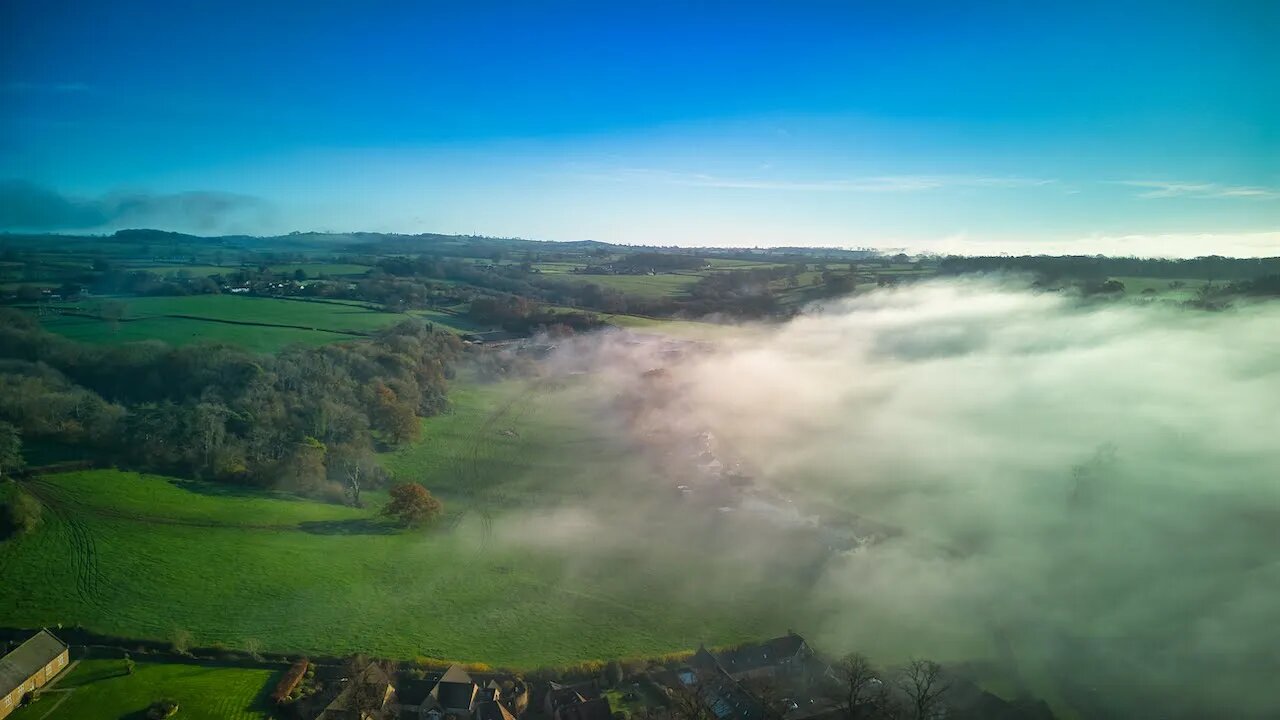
(1111, 126)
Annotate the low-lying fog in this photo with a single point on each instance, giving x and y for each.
(1086, 495)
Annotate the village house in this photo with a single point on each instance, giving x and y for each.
(364, 697)
(724, 681)
(719, 692)
(576, 702)
(452, 695)
(29, 667)
(788, 655)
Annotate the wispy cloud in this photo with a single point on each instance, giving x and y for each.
(870, 184)
(1167, 189)
(1165, 245)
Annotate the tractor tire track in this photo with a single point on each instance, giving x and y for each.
(467, 465)
(82, 543)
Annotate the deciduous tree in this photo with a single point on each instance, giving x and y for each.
(412, 505)
(924, 686)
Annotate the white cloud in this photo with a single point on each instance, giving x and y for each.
(1168, 245)
(1164, 189)
(871, 184)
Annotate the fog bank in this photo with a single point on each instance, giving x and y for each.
(1083, 493)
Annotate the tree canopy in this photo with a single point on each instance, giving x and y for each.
(412, 505)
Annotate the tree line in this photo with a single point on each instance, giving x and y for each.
(306, 419)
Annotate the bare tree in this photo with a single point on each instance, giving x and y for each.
(181, 641)
(356, 469)
(857, 685)
(923, 684)
(254, 647)
(364, 687)
(687, 703)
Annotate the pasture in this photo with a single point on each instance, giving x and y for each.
(147, 556)
(276, 322)
(184, 331)
(652, 286)
(101, 689)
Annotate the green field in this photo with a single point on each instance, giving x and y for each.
(102, 690)
(183, 331)
(652, 286)
(212, 317)
(147, 556)
(322, 269)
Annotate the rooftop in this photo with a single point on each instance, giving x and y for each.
(27, 658)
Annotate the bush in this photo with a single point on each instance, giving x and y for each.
(181, 641)
(163, 708)
(430, 663)
(21, 514)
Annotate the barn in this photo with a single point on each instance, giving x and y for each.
(29, 666)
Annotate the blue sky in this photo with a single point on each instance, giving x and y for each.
(1111, 127)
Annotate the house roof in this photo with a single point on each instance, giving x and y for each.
(559, 695)
(769, 652)
(456, 690)
(414, 692)
(597, 709)
(455, 674)
(25, 660)
(373, 683)
(491, 710)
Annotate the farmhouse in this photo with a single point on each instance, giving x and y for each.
(30, 665)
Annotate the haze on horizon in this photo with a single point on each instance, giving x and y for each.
(1120, 128)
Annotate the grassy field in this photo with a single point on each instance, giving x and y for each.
(183, 331)
(321, 315)
(642, 285)
(147, 556)
(211, 318)
(322, 269)
(102, 690)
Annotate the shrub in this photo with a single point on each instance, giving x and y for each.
(430, 663)
(20, 514)
(181, 640)
(163, 708)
